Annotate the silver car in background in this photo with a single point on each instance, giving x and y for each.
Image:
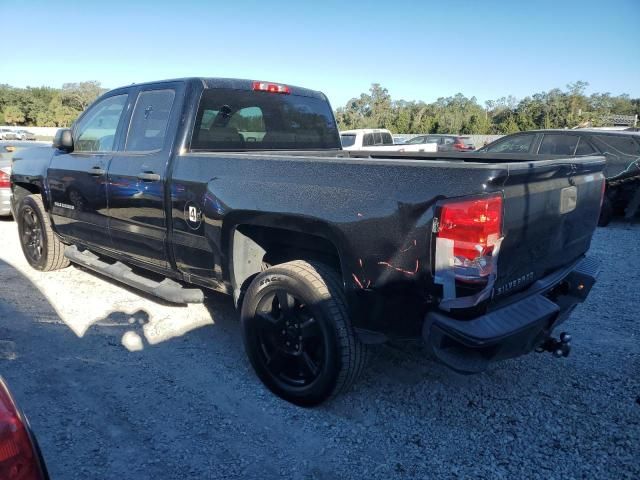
(7, 134)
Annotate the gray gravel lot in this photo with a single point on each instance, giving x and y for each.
(118, 386)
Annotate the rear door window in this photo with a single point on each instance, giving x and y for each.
(377, 138)
(515, 144)
(148, 127)
(230, 119)
(387, 139)
(367, 140)
(558, 144)
(416, 140)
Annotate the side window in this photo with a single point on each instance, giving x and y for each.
(448, 141)
(387, 139)
(618, 144)
(432, 140)
(96, 131)
(584, 148)
(377, 138)
(515, 144)
(558, 144)
(149, 121)
(367, 140)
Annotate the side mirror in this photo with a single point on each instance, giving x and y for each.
(63, 140)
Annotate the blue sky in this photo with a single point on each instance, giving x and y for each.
(418, 50)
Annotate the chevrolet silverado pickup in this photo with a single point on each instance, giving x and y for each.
(242, 187)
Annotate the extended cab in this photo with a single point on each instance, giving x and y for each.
(242, 187)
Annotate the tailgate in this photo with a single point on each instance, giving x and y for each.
(551, 210)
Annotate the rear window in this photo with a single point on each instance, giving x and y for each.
(618, 144)
(347, 140)
(230, 119)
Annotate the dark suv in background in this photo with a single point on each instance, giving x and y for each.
(621, 149)
(446, 143)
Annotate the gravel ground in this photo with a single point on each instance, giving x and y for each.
(119, 386)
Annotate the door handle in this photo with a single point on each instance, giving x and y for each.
(149, 176)
(97, 171)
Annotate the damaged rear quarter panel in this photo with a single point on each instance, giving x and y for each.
(377, 213)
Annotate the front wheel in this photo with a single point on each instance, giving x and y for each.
(42, 249)
(297, 333)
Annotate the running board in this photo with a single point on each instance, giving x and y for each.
(167, 289)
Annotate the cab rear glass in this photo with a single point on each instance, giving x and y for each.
(240, 120)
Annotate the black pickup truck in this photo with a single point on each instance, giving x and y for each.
(242, 187)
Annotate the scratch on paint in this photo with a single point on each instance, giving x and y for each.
(415, 242)
(401, 270)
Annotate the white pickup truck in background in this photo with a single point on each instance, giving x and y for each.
(379, 139)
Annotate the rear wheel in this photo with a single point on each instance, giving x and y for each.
(42, 249)
(297, 333)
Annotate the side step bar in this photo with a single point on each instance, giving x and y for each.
(167, 289)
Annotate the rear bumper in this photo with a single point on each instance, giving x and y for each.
(512, 329)
(5, 202)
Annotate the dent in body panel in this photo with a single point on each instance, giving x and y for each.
(377, 215)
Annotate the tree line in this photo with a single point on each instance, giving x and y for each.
(556, 108)
(46, 106)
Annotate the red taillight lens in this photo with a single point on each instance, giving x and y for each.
(18, 458)
(473, 229)
(5, 181)
(271, 87)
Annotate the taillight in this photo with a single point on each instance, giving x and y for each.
(468, 236)
(5, 181)
(459, 146)
(18, 457)
(271, 87)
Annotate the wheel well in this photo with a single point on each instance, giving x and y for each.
(21, 190)
(256, 248)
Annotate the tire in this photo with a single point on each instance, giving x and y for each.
(315, 306)
(40, 246)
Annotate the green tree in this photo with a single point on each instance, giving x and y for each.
(79, 96)
(13, 115)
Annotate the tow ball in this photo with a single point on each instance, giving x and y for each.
(559, 348)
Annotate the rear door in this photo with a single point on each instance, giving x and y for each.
(77, 180)
(137, 174)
